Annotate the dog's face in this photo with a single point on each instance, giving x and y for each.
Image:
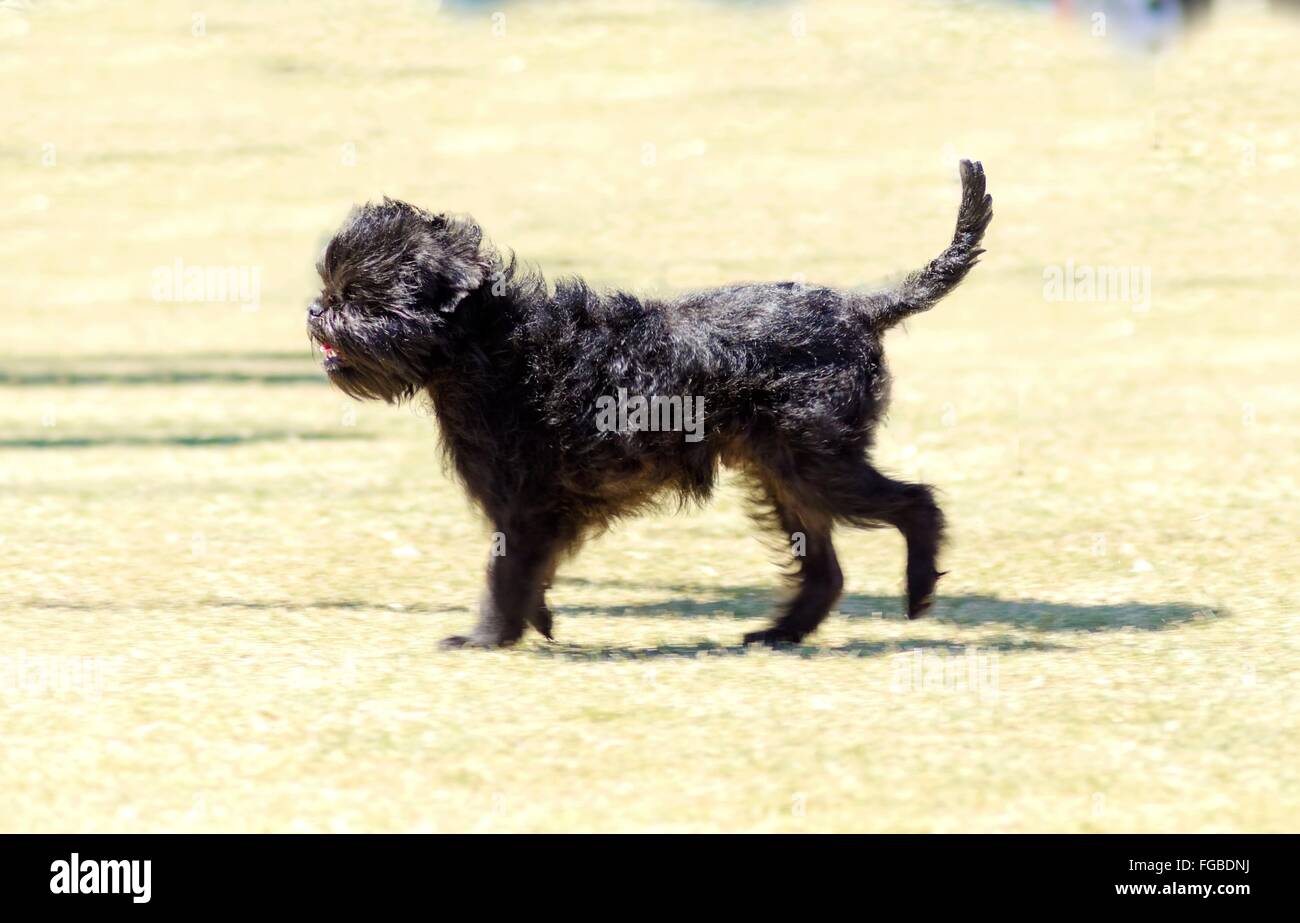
(392, 280)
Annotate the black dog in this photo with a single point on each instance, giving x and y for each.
(792, 381)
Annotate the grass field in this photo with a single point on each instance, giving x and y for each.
(222, 583)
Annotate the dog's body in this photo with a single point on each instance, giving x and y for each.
(792, 380)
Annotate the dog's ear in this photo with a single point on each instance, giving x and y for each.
(459, 267)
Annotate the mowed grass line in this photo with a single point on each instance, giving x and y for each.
(222, 584)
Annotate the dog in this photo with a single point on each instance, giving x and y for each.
(791, 380)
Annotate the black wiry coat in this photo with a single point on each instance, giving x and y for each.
(792, 378)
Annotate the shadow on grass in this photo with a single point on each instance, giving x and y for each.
(184, 441)
(968, 609)
(158, 377)
(704, 649)
(534, 645)
(261, 605)
(162, 369)
(222, 355)
(350, 605)
(753, 603)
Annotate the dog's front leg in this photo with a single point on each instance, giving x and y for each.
(516, 582)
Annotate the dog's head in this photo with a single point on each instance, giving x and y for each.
(392, 279)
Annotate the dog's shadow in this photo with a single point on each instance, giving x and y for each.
(705, 649)
(746, 602)
(1052, 621)
(965, 609)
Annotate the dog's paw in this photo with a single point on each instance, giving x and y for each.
(919, 607)
(920, 596)
(541, 620)
(773, 637)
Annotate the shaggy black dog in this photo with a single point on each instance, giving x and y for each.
(790, 382)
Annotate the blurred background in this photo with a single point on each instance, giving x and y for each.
(222, 583)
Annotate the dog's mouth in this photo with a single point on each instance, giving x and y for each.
(331, 357)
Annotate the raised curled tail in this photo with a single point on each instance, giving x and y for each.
(922, 289)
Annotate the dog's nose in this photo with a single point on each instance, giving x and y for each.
(315, 309)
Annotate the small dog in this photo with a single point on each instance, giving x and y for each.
(790, 378)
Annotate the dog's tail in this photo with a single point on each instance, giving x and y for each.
(922, 290)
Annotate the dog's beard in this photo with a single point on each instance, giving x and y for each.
(376, 359)
(367, 381)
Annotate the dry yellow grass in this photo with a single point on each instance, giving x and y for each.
(238, 577)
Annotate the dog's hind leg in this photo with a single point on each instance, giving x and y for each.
(865, 497)
(818, 576)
